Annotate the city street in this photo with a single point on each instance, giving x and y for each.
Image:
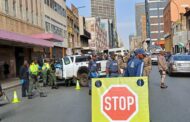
(69, 105)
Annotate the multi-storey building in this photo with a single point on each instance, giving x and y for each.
(107, 24)
(73, 30)
(155, 23)
(19, 19)
(139, 12)
(98, 41)
(187, 14)
(175, 24)
(140, 17)
(84, 35)
(105, 9)
(55, 25)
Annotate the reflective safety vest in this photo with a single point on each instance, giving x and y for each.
(113, 66)
(46, 66)
(34, 69)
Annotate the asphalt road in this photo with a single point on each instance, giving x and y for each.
(69, 105)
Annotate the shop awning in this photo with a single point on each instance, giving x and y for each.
(48, 36)
(15, 38)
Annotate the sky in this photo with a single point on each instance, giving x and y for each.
(125, 12)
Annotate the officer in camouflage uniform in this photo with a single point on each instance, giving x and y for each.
(51, 76)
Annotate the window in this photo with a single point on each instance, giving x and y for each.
(21, 9)
(48, 28)
(66, 61)
(81, 59)
(6, 6)
(14, 7)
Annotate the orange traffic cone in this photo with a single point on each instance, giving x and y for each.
(77, 85)
(15, 98)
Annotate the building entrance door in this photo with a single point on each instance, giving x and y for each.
(19, 56)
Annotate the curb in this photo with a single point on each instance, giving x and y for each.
(4, 87)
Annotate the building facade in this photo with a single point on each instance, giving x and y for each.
(107, 24)
(139, 12)
(55, 29)
(155, 23)
(105, 9)
(98, 41)
(175, 22)
(20, 19)
(73, 30)
(84, 35)
(187, 14)
(135, 43)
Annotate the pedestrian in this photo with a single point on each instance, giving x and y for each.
(147, 65)
(33, 69)
(93, 70)
(45, 71)
(6, 69)
(24, 77)
(112, 67)
(162, 66)
(51, 75)
(135, 65)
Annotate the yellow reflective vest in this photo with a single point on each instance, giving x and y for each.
(34, 69)
(46, 66)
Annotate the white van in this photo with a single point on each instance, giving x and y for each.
(118, 51)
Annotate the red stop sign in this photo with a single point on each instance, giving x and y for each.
(119, 103)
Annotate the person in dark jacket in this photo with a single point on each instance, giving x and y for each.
(24, 77)
(135, 66)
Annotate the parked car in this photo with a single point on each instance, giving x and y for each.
(179, 64)
(154, 58)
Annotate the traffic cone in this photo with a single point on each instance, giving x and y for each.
(77, 85)
(15, 98)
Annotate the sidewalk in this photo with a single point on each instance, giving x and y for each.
(10, 83)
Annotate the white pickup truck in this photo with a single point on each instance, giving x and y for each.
(68, 67)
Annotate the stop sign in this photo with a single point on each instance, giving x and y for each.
(119, 103)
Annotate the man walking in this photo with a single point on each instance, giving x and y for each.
(162, 66)
(135, 65)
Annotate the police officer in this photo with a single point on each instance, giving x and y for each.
(45, 71)
(135, 65)
(112, 67)
(51, 76)
(33, 69)
(93, 70)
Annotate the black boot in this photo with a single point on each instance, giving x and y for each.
(163, 86)
(90, 92)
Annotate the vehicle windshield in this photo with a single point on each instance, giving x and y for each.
(181, 58)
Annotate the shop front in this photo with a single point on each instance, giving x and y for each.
(59, 45)
(14, 49)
